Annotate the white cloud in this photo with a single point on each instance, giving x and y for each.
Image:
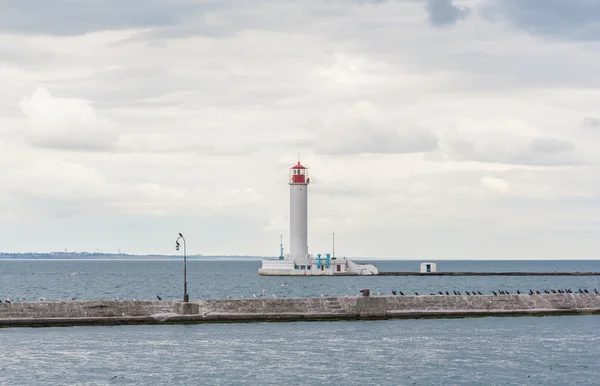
(495, 184)
(66, 123)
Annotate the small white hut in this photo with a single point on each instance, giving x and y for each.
(428, 267)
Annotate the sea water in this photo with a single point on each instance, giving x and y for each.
(557, 350)
(220, 279)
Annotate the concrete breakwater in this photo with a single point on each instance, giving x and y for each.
(102, 312)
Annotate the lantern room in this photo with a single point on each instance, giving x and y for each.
(299, 174)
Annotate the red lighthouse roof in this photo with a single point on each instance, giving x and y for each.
(298, 166)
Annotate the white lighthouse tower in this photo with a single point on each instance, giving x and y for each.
(298, 261)
(299, 211)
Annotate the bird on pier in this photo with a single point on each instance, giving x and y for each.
(467, 292)
(447, 293)
(538, 292)
(546, 291)
(394, 292)
(585, 290)
(518, 292)
(158, 297)
(530, 292)
(553, 291)
(506, 293)
(440, 293)
(479, 293)
(580, 291)
(7, 301)
(455, 292)
(0, 301)
(494, 292)
(416, 294)
(401, 293)
(596, 291)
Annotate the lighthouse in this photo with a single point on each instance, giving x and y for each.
(299, 262)
(299, 211)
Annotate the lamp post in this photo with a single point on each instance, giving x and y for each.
(185, 294)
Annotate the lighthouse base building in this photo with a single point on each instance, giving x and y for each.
(299, 262)
(312, 266)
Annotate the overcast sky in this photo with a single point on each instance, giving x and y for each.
(432, 128)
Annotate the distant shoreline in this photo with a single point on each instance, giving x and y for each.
(124, 257)
(107, 256)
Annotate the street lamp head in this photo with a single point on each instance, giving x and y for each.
(177, 245)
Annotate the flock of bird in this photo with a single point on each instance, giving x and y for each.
(505, 292)
(400, 293)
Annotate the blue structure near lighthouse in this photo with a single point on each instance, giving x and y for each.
(326, 259)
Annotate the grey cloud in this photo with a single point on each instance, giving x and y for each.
(192, 148)
(369, 141)
(74, 141)
(133, 87)
(485, 71)
(537, 151)
(591, 123)
(550, 146)
(444, 12)
(232, 17)
(564, 19)
(24, 57)
(65, 18)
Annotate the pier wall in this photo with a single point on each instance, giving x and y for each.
(280, 309)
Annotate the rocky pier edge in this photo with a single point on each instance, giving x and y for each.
(127, 312)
